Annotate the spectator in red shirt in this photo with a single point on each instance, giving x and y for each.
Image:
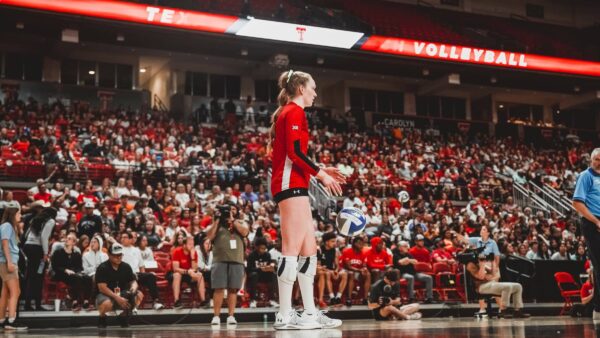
(42, 194)
(441, 253)
(353, 260)
(89, 195)
(419, 251)
(377, 258)
(185, 269)
(22, 145)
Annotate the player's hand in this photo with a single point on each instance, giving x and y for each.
(598, 225)
(331, 185)
(336, 174)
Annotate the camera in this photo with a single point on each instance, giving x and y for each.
(387, 292)
(474, 256)
(130, 296)
(224, 212)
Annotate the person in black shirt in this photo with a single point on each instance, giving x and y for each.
(405, 263)
(89, 224)
(328, 269)
(68, 268)
(260, 268)
(384, 297)
(117, 287)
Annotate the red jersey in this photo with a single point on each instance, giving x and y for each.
(46, 197)
(441, 254)
(356, 260)
(291, 168)
(185, 261)
(420, 254)
(378, 260)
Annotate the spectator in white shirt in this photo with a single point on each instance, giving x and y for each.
(94, 256)
(133, 256)
(355, 201)
(182, 197)
(561, 254)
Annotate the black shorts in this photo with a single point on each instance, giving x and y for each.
(377, 314)
(288, 193)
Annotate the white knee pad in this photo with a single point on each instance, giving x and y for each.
(287, 270)
(308, 266)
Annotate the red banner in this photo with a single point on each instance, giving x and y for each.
(489, 57)
(131, 12)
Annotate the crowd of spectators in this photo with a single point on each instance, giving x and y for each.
(169, 178)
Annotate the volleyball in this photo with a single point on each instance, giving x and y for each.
(351, 222)
(403, 196)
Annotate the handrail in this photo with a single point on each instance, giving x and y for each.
(159, 104)
(560, 195)
(524, 197)
(555, 202)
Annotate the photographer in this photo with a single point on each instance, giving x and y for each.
(117, 287)
(385, 297)
(227, 272)
(486, 276)
(489, 248)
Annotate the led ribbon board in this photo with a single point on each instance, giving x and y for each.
(311, 35)
(482, 56)
(132, 12)
(318, 36)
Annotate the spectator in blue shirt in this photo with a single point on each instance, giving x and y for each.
(9, 266)
(248, 194)
(586, 200)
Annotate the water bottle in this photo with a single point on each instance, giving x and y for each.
(40, 269)
(265, 318)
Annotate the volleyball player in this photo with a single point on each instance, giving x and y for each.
(291, 172)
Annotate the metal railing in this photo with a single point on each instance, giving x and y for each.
(552, 198)
(526, 198)
(561, 196)
(319, 199)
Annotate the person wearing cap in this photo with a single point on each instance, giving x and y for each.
(9, 266)
(90, 224)
(116, 281)
(384, 299)
(419, 251)
(405, 263)
(329, 270)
